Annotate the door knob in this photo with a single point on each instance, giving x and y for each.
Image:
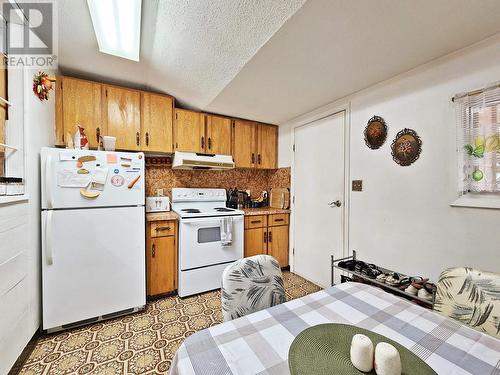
(336, 203)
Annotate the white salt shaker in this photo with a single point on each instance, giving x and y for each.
(387, 359)
(362, 353)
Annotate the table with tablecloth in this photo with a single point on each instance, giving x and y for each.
(259, 342)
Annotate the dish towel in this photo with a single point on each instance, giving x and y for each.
(226, 231)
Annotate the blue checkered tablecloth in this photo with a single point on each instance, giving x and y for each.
(259, 343)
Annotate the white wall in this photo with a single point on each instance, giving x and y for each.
(20, 305)
(403, 219)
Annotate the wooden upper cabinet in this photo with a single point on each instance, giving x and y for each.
(189, 131)
(267, 146)
(122, 108)
(218, 135)
(244, 143)
(145, 121)
(156, 122)
(78, 102)
(255, 145)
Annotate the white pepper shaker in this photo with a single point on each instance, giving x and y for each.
(362, 353)
(387, 359)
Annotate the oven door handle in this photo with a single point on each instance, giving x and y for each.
(209, 219)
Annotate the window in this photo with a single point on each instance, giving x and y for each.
(478, 144)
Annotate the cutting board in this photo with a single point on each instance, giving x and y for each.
(279, 198)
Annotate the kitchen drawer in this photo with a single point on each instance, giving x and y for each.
(255, 221)
(278, 219)
(162, 228)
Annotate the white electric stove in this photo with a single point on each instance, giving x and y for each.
(202, 257)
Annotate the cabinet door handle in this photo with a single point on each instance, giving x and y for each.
(147, 139)
(203, 142)
(259, 158)
(278, 220)
(265, 237)
(256, 221)
(209, 143)
(98, 135)
(162, 228)
(270, 237)
(253, 158)
(137, 138)
(153, 251)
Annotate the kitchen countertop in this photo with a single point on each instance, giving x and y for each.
(264, 211)
(159, 216)
(171, 215)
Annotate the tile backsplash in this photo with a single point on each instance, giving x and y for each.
(255, 180)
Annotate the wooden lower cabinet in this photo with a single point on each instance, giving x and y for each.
(255, 241)
(161, 257)
(277, 243)
(267, 234)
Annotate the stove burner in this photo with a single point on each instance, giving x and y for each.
(223, 209)
(191, 210)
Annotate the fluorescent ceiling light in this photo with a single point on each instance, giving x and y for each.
(117, 26)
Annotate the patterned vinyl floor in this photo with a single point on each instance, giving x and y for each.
(142, 343)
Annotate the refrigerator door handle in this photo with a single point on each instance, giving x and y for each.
(49, 252)
(48, 182)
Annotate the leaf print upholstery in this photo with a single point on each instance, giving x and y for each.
(251, 284)
(471, 297)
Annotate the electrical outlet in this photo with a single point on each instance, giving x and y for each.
(159, 192)
(357, 185)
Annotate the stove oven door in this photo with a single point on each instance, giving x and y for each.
(200, 244)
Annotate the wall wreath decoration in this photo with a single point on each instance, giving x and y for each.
(406, 147)
(375, 132)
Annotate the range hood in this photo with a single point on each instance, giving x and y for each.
(191, 160)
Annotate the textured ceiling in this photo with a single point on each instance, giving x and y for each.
(332, 48)
(200, 46)
(190, 49)
(271, 60)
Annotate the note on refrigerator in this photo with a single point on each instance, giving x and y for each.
(70, 178)
(99, 177)
(111, 158)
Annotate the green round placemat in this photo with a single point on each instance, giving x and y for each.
(325, 349)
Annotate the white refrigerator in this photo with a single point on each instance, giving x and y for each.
(93, 236)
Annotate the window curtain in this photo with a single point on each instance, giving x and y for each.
(478, 133)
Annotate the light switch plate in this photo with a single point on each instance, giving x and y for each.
(357, 185)
(159, 192)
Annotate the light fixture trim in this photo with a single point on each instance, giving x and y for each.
(117, 26)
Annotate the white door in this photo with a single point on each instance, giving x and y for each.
(318, 182)
(93, 263)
